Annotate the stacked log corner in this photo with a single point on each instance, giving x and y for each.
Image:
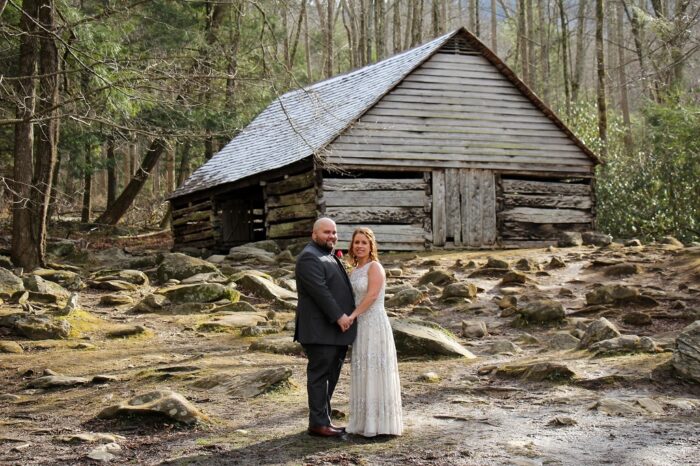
(290, 206)
(194, 225)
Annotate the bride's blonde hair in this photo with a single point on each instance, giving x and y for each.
(373, 253)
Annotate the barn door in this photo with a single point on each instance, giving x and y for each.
(464, 207)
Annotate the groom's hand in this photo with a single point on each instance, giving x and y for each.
(344, 322)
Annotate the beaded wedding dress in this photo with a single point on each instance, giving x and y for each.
(375, 388)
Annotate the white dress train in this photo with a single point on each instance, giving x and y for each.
(375, 387)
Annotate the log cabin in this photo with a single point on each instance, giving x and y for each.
(440, 146)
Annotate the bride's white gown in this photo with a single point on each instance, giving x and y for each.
(375, 388)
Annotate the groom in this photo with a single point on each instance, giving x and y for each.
(322, 324)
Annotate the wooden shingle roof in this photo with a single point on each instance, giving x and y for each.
(301, 123)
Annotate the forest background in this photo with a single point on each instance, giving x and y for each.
(107, 105)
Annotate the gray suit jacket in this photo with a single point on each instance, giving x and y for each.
(325, 294)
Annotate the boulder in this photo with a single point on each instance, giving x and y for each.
(10, 347)
(437, 277)
(150, 304)
(39, 285)
(209, 277)
(36, 327)
(459, 290)
(112, 285)
(543, 311)
(405, 297)
(670, 241)
(239, 306)
(277, 345)
(264, 288)
(624, 344)
(180, 266)
(6, 263)
(622, 270)
(488, 272)
(506, 302)
(57, 381)
(125, 331)
(526, 265)
(563, 341)
(686, 357)
(474, 329)
(610, 294)
(569, 239)
(556, 262)
(165, 402)
(200, 293)
(66, 278)
(230, 322)
(116, 300)
(514, 278)
(616, 407)
(248, 253)
(634, 242)
(594, 238)
(417, 338)
(135, 277)
(268, 245)
(637, 318)
(496, 263)
(246, 385)
(537, 372)
(9, 283)
(503, 346)
(598, 330)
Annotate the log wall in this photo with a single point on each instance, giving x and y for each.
(194, 225)
(290, 206)
(397, 210)
(533, 213)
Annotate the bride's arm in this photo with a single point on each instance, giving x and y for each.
(375, 282)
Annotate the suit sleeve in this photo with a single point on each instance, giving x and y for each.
(309, 273)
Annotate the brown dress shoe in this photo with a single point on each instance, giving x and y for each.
(325, 431)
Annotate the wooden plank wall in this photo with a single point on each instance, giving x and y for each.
(458, 111)
(535, 212)
(194, 225)
(397, 210)
(290, 206)
(464, 207)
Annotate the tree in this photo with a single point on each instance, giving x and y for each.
(600, 73)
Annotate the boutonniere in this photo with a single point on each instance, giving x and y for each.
(339, 253)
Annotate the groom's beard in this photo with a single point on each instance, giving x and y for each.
(328, 245)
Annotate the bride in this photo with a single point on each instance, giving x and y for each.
(375, 389)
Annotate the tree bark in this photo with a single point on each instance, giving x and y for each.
(530, 40)
(379, 29)
(24, 244)
(580, 49)
(494, 27)
(622, 75)
(117, 210)
(523, 42)
(600, 69)
(111, 172)
(396, 32)
(86, 211)
(416, 22)
(565, 56)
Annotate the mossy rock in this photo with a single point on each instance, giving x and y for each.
(200, 293)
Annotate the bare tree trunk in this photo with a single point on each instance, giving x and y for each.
(170, 170)
(307, 46)
(234, 44)
(24, 243)
(600, 68)
(580, 49)
(117, 210)
(543, 29)
(380, 28)
(523, 42)
(471, 5)
(435, 17)
(417, 23)
(86, 212)
(494, 27)
(396, 32)
(111, 172)
(362, 36)
(530, 39)
(622, 75)
(565, 56)
(477, 19)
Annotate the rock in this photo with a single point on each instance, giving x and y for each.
(104, 453)
(543, 311)
(126, 331)
(686, 357)
(9, 397)
(429, 377)
(277, 345)
(264, 288)
(239, 306)
(258, 330)
(191, 308)
(209, 277)
(135, 277)
(165, 402)
(231, 322)
(637, 318)
(180, 266)
(268, 245)
(36, 327)
(503, 346)
(6, 263)
(506, 302)
(246, 385)
(406, 297)
(10, 347)
(615, 407)
(37, 284)
(90, 437)
(394, 273)
(474, 329)
(565, 293)
(622, 270)
(513, 278)
(460, 290)
(285, 256)
(621, 344)
(112, 285)
(633, 243)
(561, 421)
(56, 381)
(200, 293)
(569, 239)
(596, 239)
(563, 341)
(598, 330)
(556, 263)
(437, 277)
(417, 338)
(116, 300)
(151, 303)
(610, 294)
(248, 253)
(526, 265)
(495, 263)
(65, 278)
(102, 379)
(537, 372)
(488, 273)
(62, 248)
(670, 241)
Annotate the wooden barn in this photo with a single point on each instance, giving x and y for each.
(439, 146)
